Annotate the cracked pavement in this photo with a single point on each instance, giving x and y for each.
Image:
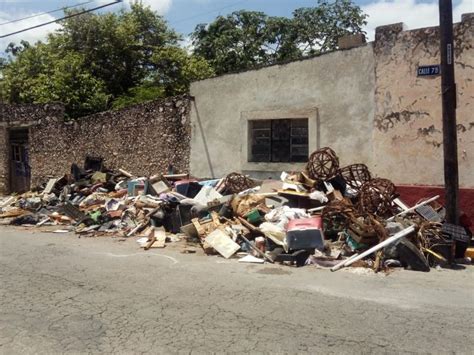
(63, 294)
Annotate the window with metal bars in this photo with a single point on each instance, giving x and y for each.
(278, 140)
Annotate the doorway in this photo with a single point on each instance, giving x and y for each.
(20, 171)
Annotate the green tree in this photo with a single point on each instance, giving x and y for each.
(246, 39)
(117, 47)
(175, 69)
(319, 28)
(233, 42)
(97, 59)
(147, 91)
(40, 75)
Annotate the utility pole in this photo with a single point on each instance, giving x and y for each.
(448, 93)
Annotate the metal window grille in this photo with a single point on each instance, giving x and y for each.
(278, 140)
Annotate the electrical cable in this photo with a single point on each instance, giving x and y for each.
(62, 18)
(46, 13)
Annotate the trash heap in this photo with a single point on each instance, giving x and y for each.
(326, 215)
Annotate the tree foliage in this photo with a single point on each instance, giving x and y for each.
(176, 69)
(41, 75)
(245, 39)
(97, 59)
(117, 47)
(144, 92)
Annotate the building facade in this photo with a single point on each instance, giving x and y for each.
(368, 103)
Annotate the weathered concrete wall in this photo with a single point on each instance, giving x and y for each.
(143, 139)
(367, 103)
(335, 91)
(408, 140)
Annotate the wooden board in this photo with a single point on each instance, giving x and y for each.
(222, 243)
(160, 236)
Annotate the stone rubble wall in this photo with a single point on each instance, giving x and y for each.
(143, 139)
(4, 154)
(20, 116)
(26, 114)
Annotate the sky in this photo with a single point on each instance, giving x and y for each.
(184, 15)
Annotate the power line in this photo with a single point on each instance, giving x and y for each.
(46, 13)
(209, 12)
(62, 18)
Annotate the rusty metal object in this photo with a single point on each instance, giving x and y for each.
(355, 175)
(338, 207)
(376, 196)
(436, 247)
(366, 229)
(429, 234)
(235, 183)
(323, 164)
(378, 228)
(337, 214)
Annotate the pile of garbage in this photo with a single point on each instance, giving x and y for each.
(326, 215)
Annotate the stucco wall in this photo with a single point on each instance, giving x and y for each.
(408, 119)
(367, 102)
(335, 90)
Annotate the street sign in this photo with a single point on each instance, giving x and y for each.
(428, 70)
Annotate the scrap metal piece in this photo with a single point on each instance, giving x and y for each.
(430, 238)
(71, 211)
(323, 164)
(337, 214)
(376, 196)
(366, 229)
(429, 234)
(428, 213)
(413, 208)
(235, 183)
(355, 175)
(388, 241)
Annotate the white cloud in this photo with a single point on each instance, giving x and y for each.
(187, 44)
(160, 6)
(413, 14)
(31, 36)
(40, 33)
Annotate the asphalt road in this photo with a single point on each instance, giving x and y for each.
(62, 294)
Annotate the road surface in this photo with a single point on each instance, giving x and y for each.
(64, 294)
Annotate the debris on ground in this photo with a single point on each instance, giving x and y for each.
(329, 216)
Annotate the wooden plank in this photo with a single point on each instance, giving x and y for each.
(50, 186)
(222, 243)
(125, 173)
(151, 241)
(160, 236)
